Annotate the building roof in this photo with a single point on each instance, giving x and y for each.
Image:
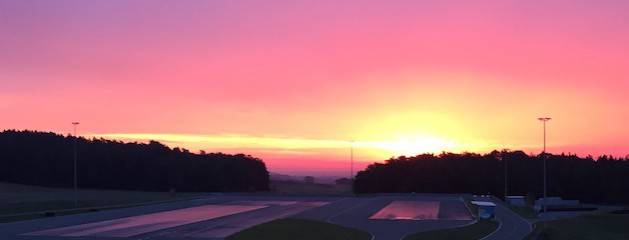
(484, 203)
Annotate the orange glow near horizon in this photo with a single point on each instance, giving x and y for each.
(292, 83)
(380, 150)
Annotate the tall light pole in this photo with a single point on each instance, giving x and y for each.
(75, 169)
(544, 120)
(504, 161)
(351, 157)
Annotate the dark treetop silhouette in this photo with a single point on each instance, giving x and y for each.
(46, 159)
(604, 180)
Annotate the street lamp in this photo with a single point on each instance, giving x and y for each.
(544, 120)
(504, 161)
(351, 167)
(75, 169)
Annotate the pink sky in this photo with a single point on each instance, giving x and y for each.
(292, 82)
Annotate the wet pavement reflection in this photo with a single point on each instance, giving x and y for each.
(423, 210)
(125, 227)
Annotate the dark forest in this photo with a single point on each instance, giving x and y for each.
(601, 180)
(47, 159)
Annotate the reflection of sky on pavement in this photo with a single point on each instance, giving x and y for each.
(409, 210)
(423, 210)
(279, 203)
(125, 227)
(454, 210)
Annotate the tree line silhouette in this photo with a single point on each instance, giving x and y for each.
(601, 180)
(47, 159)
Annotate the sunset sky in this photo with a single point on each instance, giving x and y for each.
(292, 82)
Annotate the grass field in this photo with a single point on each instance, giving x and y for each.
(588, 226)
(524, 211)
(17, 199)
(290, 229)
(472, 232)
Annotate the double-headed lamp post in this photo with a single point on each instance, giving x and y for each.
(544, 120)
(75, 169)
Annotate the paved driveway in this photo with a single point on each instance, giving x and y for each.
(356, 213)
(512, 226)
(209, 218)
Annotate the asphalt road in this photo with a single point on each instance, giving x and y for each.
(356, 212)
(210, 218)
(216, 217)
(512, 226)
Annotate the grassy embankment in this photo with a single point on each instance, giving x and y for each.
(289, 229)
(23, 202)
(525, 212)
(477, 230)
(588, 226)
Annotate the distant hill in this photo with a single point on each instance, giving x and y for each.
(283, 177)
(325, 179)
(47, 159)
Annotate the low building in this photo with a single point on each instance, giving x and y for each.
(516, 200)
(554, 201)
(486, 210)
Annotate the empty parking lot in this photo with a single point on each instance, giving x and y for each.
(216, 217)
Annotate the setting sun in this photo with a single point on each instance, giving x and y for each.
(335, 116)
(414, 145)
(292, 83)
